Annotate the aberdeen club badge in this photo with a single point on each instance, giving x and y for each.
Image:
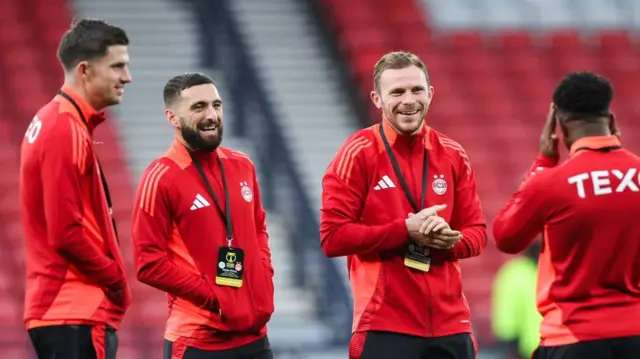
(246, 192)
(439, 185)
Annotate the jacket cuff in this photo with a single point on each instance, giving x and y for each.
(399, 233)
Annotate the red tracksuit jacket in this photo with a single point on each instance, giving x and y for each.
(363, 217)
(71, 248)
(589, 269)
(177, 231)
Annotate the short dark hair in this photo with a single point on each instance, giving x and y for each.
(584, 94)
(179, 83)
(87, 40)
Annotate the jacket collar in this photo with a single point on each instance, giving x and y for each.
(594, 143)
(180, 153)
(93, 117)
(407, 141)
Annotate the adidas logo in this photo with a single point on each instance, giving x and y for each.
(199, 202)
(385, 182)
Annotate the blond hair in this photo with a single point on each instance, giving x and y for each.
(394, 61)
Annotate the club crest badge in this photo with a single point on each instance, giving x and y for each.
(246, 192)
(439, 185)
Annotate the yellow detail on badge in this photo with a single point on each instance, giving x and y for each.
(229, 282)
(411, 263)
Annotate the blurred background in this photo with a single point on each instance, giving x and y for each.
(295, 77)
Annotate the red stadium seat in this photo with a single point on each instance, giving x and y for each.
(350, 14)
(565, 40)
(400, 12)
(413, 37)
(514, 40)
(615, 41)
(463, 41)
(364, 38)
(364, 61)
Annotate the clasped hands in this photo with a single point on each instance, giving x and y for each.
(431, 230)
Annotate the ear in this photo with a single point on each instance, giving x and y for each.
(431, 92)
(172, 117)
(375, 99)
(82, 68)
(613, 126)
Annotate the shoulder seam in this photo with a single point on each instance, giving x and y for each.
(348, 155)
(150, 184)
(241, 154)
(80, 145)
(451, 144)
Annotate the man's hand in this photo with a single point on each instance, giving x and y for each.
(438, 234)
(119, 293)
(548, 138)
(414, 221)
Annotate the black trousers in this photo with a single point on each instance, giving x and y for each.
(384, 345)
(75, 342)
(260, 349)
(615, 348)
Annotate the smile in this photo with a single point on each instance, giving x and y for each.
(408, 113)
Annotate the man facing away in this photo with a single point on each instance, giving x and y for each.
(77, 291)
(399, 200)
(199, 232)
(587, 209)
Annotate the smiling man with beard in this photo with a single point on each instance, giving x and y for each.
(200, 235)
(399, 200)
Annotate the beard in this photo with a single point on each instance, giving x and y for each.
(197, 142)
(406, 125)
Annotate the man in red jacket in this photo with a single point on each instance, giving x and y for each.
(587, 209)
(76, 293)
(199, 233)
(404, 270)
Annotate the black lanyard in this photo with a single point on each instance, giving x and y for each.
(403, 183)
(226, 214)
(105, 186)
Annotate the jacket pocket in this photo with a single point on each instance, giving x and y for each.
(262, 289)
(235, 309)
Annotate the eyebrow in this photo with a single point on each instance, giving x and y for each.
(401, 89)
(204, 103)
(197, 104)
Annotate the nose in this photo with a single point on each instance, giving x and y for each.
(126, 77)
(212, 113)
(408, 98)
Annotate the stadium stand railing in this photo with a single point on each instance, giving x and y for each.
(281, 186)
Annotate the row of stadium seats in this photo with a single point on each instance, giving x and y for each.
(492, 92)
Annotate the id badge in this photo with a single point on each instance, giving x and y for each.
(230, 267)
(418, 257)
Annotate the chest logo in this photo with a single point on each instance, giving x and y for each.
(439, 185)
(246, 192)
